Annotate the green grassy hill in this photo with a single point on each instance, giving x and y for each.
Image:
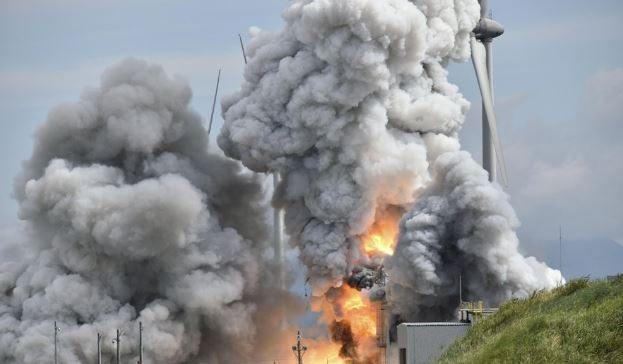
(580, 322)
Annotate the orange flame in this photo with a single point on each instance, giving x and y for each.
(353, 305)
(382, 236)
(358, 309)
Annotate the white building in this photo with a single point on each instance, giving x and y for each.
(424, 342)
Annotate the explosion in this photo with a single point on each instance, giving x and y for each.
(351, 104)
(352, 311)
(130, 217)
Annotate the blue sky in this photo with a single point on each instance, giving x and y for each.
(558, 83)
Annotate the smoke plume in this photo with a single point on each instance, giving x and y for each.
(461, 226)
(351, 104)
(129, 218)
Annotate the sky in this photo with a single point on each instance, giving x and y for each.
(558, 79)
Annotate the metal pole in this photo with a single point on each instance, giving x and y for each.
(140, 342)
(488, 150)
(55, 345)
(99, 348)
(298, 350)
(460, 290)
(560, 251)
(218, 80)
(118, 343)
(277, 235)
(244, 54)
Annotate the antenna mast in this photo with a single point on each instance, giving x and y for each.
(244, 54)
(218, 80)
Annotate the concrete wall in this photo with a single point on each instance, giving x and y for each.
(425, 342)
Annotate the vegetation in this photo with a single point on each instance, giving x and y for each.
(580, 322)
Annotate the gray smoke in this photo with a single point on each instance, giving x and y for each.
(344, 103)
(128, 218)
(461, 225)
(350, 102)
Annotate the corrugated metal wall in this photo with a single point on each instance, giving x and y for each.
(425, 342)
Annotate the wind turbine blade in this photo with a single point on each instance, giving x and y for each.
(479, 59)
(484, 7)
(218, 80)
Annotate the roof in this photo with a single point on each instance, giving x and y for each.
(436, 324)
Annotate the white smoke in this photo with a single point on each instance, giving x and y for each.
(129, 218)
(350, 102)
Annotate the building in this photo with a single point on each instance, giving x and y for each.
(424, 342)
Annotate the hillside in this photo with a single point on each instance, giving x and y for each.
(580, 322)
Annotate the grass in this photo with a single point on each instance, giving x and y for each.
(580, 322)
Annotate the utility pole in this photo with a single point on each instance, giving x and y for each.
(118, 342)
(299, 350)
(99, 348)
(140, 342)
(56, 331)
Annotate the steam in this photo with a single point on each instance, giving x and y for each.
(350, 102)
(129, 218)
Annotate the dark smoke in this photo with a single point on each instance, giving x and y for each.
(341, 333)
(362, 278)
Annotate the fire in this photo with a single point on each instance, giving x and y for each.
(382, 236)
(361, 313)
(349, 313)
(353, 302)
(376, 243)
